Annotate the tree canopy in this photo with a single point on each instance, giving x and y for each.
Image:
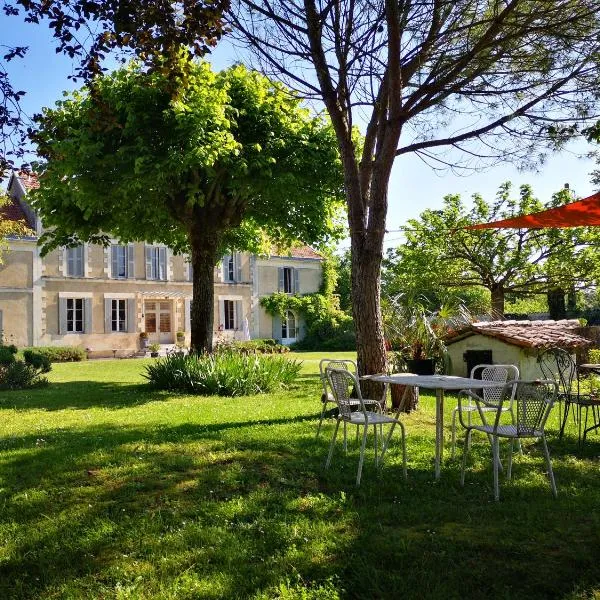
(231, 161)
(464, 83)
(439, 253)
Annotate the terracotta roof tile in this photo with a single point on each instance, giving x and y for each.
(529, 334)
(298, 252)
(12, 211)
(29, 180)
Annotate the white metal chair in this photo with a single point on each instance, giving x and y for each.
(534, 401)
(498, 373)
(342, 383)
(328, 398)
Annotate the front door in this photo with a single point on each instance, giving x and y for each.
(158, 321)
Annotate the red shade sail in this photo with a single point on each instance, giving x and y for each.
(581, 213)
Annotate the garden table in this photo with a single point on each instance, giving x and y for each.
(439, 383)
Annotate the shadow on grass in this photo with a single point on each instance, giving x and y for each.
(238, 508)
(81, 395)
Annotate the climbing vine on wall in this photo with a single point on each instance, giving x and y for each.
(327, 327)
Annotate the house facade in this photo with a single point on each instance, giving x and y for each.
(102, 298)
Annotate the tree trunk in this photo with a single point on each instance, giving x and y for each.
(556, 304)
(497, 292)
(204, 257)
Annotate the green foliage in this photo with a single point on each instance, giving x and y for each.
(37, 360)
(439, 254)
(7, 354)
(230, 148)
(594, 356)
(261, 346)
(326, 326)
(222, 373)
(18, 374)
(343, 289)
(59, 353)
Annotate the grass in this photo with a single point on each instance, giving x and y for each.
(110, 490)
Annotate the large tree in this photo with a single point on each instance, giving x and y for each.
(9, 227)
(505, 261)
(230, 157)
(475, 80)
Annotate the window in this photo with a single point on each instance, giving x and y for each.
(118, 317)
(229, 314)
(74, 258)
(122, 261)
(156, 263)
(75, 315)
(232, 268)
(288, 280)
(288, 326)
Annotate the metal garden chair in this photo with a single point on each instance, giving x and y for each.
(558, 364)
(534, 401)
(328, 398)
(342, 383)
(499, 373)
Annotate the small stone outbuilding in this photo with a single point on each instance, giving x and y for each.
(512, 342)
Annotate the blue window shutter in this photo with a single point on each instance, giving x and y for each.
(281, 284)
(238, 266)
(107, 315)
(162, 264)
(276, 327)
(130, 261)
(149, 263)
(87, 315)
(239, 316)
(62, 316)
(114, 261)
(296, 283)
(131, 315)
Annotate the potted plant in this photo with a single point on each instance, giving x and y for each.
(154, 348)
(144, 340)
(180, 337)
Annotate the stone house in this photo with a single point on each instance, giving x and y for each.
(512, 342)
(101, 298)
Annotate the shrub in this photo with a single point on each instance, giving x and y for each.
(222, 374)
(260, 346)
(60, 353)
(37, 360)
(7, 355)
(19, 375)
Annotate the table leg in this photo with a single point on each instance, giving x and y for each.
(439, 431)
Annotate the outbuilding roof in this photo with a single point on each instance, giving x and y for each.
(528, 334)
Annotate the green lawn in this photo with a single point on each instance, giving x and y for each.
(111, 490)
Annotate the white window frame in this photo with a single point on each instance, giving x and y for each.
(156, 257)
(63, 312)
(127, 256)
(285, 326)
(73, 309)
(289, 280)
(229, 316)
(71, 260)
(118, 325)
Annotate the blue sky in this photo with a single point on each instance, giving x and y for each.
(414, 186)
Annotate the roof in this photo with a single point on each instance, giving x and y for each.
(29, 180)
(298, 252)
(12, 211)
(528, 334)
